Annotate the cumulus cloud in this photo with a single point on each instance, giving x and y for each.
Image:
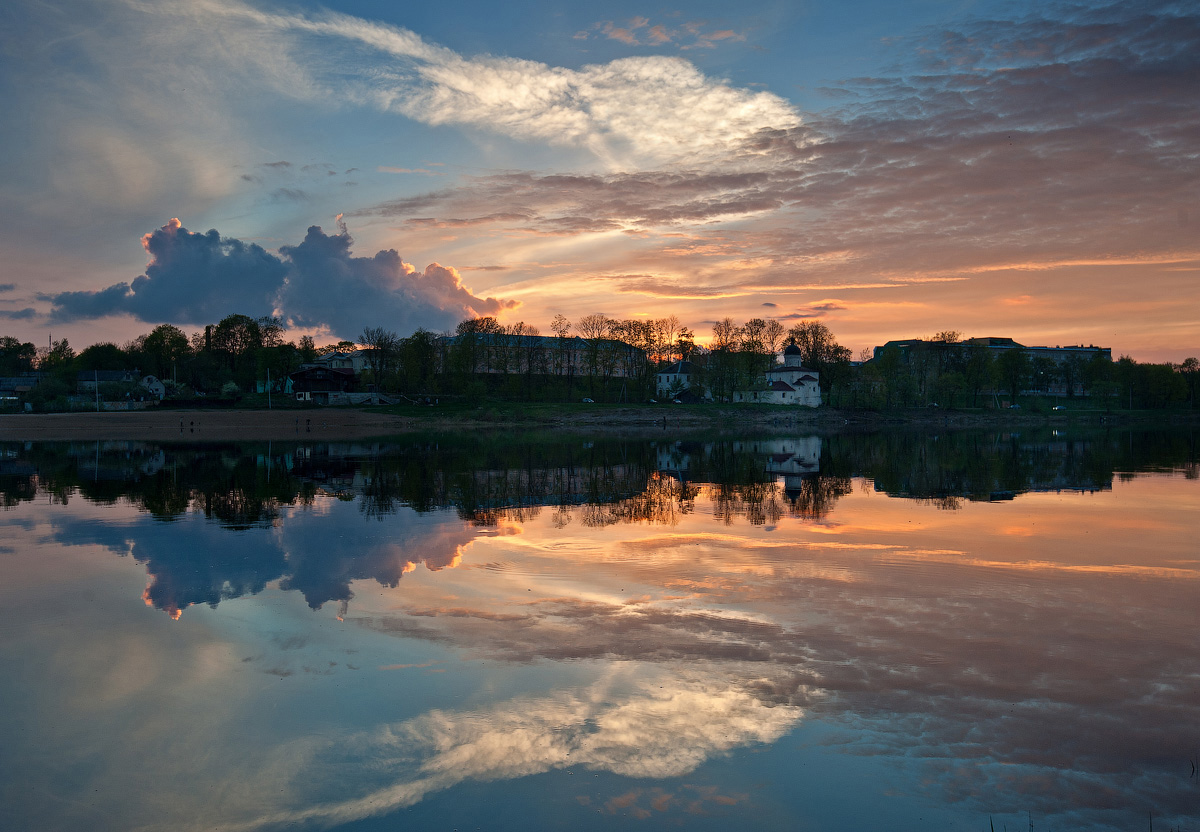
(196, 278)
(326, 285)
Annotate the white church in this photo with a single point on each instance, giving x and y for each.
(787, 383)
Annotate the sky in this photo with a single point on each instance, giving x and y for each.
(892, 169)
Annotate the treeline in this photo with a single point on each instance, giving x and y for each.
(946, 372)
(224, 359)
(597, 357)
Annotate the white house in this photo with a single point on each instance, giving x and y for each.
(787, 383)
(675, 379)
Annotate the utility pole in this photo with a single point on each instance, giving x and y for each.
(268, 388)
(96, 378)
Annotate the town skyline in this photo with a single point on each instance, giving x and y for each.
(1013, 170)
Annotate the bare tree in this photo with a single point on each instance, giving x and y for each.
(381, 346)
(773, 336)
(560, 326)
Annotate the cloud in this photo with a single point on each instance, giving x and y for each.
(627, 112)
(328, 286)
(8, 287)
(19, 314)
(816, 310)
(192, 278)
(1064, 138)
(658, 726)
(637, 31)
(196, 278)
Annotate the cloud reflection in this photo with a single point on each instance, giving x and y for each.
(630, 723)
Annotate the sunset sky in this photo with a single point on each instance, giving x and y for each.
(891, 168)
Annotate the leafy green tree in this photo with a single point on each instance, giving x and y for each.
(1190, 370)
(103, 356)
(164, 347)
(307, 348)
(58, 359)
(1013, 369)
(16, 357)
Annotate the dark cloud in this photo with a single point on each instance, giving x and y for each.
(326, 285)
(18, 314)
(8, 287)
(192, 278)
(277, 165)
(289, 194)
(198, 278)
(817, 310)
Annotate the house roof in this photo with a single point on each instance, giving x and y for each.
(321, 371)
(781, 386)
(680, 368)
(105, 375)
(780, 368)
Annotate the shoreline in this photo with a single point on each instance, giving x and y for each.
(353, 423)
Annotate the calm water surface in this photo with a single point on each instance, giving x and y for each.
(886, 632)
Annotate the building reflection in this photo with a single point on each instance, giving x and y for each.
(593, 484)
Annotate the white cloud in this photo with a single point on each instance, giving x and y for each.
(629, 112)
(654, 726)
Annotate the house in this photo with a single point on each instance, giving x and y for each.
(154, 387)
(787, 383)
(13, 387)
(677, 378)
(355, 360)
(322, 385)
(86, 381)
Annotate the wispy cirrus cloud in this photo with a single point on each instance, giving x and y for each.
(628, 112)
(640, 31)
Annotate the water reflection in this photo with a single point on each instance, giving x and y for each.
(629, 609)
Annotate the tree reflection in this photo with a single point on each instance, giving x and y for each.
(485, 482)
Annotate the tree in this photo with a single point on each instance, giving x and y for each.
(56, 358)
(418, 360)
(816, 344)
(1190, 369)
(164, 346)
(104, 356)
(16, 357)
(821, 351)
(593, 329)
(948, 336)
(1012, 371)
(307, 348)
(237, 336)
(381, 346)
(773, 336)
